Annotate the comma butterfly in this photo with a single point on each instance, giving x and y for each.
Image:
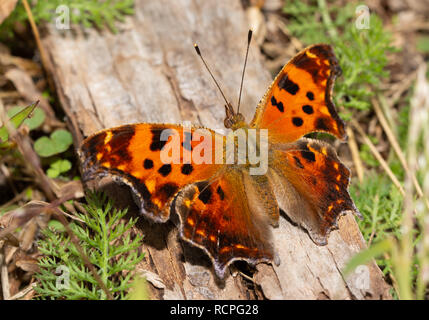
(223, 208)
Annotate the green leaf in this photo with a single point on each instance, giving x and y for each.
(34, 121)
(56, 225)
(365, 256)
(139, 289)
(59, 141)
(58, 167)
(17, 119)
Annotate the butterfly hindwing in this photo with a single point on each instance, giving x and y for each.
(311, 185)
(299, 101)
(218, 216)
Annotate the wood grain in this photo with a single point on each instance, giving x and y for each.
(149, 72)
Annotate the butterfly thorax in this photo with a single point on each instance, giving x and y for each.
(246, 147)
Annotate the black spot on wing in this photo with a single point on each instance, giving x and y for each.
(165, 170)
(305, 151)
(157, 144)
(307, 109)
(287, 84)
(220, 193)
(148, 164)
(279, 104)
(310, 95)
(205, 193)
(309, 156)
(168, 190)
(297, 121)
(298, 162)
(187, 168)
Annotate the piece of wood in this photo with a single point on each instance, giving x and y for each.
(149, 72)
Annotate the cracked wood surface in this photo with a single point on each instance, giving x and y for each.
(149, 72)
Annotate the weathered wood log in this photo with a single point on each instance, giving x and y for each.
(149, 72)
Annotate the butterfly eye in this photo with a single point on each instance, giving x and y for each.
(228, 122)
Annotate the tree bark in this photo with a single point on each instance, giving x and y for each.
(149, 72)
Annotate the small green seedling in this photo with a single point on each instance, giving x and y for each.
(59, 141)
(58, 167)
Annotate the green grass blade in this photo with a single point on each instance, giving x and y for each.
(17, 120)
(365, 256)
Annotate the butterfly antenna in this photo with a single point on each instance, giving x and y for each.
(249, 38)
(197, 49)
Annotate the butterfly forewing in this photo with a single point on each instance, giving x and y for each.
(132, 155)
(299, 100)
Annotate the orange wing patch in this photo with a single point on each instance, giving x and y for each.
(216, 217)
(132, 155)
(299, 102)
(315, 183)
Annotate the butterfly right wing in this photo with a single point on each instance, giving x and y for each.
(299, 100)
(311, 186)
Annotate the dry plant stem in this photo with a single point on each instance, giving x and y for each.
(387, 256)
(4, 275)
(10, 95)
(419, 132)
(88, 263)
(397, 149)
(378, 156)
(355, 154)
(327, 19)
(404, 252)
(32, 159)
(23, 292)
(397, 90)
(38, 42)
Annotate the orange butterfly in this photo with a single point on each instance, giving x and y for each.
(223, 209)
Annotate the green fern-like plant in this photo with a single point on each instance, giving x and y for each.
(380, 203)
(105, 240)
(362, 53)
(89, 13)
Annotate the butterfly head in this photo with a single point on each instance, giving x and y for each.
(233, 120)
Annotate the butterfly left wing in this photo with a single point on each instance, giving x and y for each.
(299, 101)
(311, 186)
(132, 155)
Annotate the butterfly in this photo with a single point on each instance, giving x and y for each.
(222, 208)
